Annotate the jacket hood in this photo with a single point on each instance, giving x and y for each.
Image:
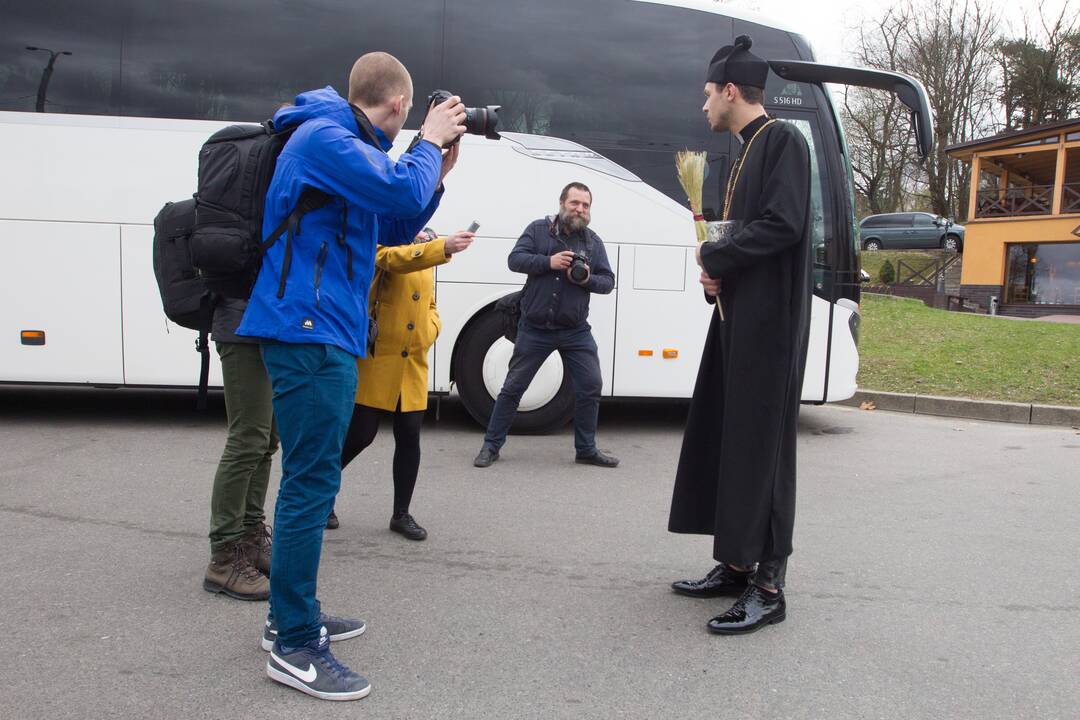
(324, 103)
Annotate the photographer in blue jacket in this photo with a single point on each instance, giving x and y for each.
(309, 309)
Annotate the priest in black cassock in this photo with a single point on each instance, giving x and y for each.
(736, 476)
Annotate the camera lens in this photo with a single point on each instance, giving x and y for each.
(578, 272)
(482, 121)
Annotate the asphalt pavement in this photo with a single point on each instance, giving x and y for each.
(934, 574)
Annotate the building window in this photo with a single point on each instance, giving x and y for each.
(1043, 274)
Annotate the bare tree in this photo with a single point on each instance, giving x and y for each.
(949, 47)
(876, 124)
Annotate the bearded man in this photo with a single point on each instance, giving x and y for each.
(554, 317)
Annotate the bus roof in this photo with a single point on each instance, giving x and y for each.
(711, 6)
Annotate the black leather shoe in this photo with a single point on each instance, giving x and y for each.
(721, 580)
(754, 609)
(332, 521)
(406, 525)
(599, 459)
(485, 458)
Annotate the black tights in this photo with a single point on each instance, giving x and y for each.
(362, 430)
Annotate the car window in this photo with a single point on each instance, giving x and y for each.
(871, 222)
(922, 220)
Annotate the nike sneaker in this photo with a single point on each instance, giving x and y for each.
(313, 669)
(337, 628)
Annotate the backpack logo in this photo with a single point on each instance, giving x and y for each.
(308, 324)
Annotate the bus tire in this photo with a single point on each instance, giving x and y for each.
(469, 357)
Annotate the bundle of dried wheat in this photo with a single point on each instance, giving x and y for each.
(690, 167)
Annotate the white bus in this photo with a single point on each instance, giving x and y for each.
(599, 91)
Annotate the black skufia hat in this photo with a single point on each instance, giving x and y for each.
(736, 64)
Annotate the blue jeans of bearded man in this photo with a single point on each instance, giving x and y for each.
(579, 354)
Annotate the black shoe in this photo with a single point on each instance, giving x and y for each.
(405, 524)
(721, 580)
(485, 458)
(332, 521)
(599, 459)
(754, 609)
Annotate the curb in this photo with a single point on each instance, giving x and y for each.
(1020, 413)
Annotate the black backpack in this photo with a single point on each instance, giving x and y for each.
(235, 168)
(211, 247)
(185, 297)
(510, 308)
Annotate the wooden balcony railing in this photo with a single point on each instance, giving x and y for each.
(1031, 200)
(1070, 198)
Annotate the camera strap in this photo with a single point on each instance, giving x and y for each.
(365, 127)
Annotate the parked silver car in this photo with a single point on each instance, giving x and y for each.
(912, 230)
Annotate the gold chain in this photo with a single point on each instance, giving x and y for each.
(737, 170)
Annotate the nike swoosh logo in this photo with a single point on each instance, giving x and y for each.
(307, 676)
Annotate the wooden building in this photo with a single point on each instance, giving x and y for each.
(1022, 239)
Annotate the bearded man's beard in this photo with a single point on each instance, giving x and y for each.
(571, 222)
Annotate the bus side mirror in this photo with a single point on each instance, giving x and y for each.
(921, 121)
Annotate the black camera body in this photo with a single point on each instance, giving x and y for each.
(478, 121)
(578, 272)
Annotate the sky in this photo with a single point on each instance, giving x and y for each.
(829, 24)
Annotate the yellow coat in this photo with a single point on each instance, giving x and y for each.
(408, 325)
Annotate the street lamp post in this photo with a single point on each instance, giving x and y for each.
(46, 74)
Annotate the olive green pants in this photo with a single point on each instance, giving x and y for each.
(236, 504)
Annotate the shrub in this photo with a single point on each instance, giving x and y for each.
(887, 274)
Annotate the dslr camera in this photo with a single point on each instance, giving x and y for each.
(578, 272)
(478, 121)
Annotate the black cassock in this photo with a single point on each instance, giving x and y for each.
(736, 476)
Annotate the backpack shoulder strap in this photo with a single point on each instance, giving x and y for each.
(311, 199)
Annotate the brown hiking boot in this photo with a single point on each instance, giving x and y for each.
(257, 545)
(230, 572)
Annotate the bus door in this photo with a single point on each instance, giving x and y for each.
(832, 358)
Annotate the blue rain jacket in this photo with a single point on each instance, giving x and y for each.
(387, 203)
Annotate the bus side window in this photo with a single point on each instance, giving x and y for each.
(817, 187)
(712, 196)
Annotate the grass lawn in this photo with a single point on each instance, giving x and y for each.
(919, 260)
(908, 347)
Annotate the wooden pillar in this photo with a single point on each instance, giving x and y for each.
(1059, 176)
(973, 197)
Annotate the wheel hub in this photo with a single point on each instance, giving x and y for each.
(544, 387)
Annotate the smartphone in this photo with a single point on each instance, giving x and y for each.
(473, 227)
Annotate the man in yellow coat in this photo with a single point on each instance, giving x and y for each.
(393, 379)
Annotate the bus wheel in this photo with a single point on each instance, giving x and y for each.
(481, 360)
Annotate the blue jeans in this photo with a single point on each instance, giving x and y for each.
(314, 387)
(579, 355)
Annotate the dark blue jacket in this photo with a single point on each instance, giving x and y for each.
(387, 203)
(549, 300)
